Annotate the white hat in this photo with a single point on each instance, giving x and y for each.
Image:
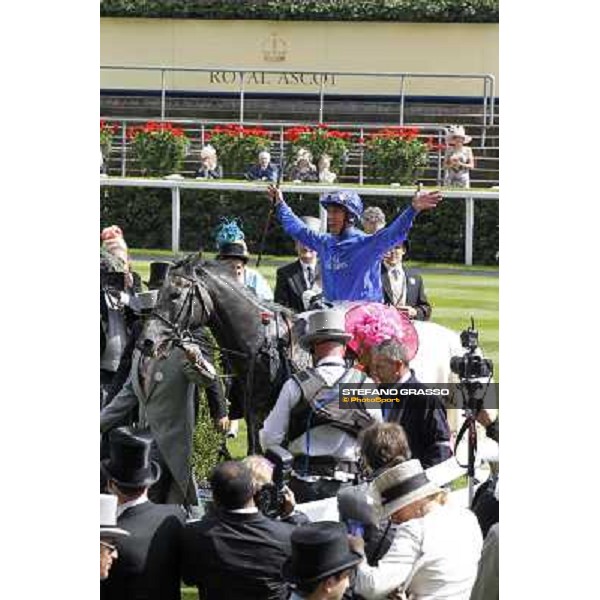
(400, 486)
(457, 131)
(108, 518)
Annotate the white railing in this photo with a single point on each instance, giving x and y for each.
(486, 79)
(175, 185)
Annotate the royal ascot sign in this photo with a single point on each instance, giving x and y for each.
(271, 79)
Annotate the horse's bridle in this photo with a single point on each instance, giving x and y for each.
(182, 333)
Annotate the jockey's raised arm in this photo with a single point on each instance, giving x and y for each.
(295, 227)
(350, 258)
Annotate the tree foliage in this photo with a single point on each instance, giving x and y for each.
(417, 11)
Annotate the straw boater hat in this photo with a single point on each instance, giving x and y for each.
(457, 131)
(400, 486)
(318, 551)
(324, 326)
(108, 518)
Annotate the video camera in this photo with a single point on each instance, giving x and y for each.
(270, 499)
(112, 281)
(471, 365)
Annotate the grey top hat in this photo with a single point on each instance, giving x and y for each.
(400, 486)
(312, 223)
(324, 326)
(108, 518)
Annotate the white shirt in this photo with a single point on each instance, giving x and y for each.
(442, 548)
(253, 279)
(123, 507)
(251, 510)
(323, 440)
(398, 283)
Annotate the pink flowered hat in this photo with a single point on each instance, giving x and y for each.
(372, 323)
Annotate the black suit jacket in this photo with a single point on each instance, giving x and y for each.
(415, 292)
(236, 556)
(290, 286)
(426, 425)
(149, 563)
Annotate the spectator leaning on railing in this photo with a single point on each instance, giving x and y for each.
(264, 170)
(209, 168)
(303, 168)
(458, 159)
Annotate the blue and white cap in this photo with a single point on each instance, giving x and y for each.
(347, 199)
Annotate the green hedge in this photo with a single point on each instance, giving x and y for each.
(145, 217)
(418, 11)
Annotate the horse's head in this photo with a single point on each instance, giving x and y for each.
(182, 306)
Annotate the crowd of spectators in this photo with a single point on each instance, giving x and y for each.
(396, 531)
(458, 162)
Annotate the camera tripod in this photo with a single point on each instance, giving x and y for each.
(469, 427)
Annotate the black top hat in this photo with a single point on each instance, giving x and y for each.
(318, 551)
(233, 250)
(129, 462)
(158, 274)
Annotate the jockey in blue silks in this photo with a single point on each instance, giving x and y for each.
(350, 259)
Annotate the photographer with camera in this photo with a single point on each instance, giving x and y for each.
(236, 552)
(272, 496)
(322, 436)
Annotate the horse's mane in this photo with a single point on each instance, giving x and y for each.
(215, 269)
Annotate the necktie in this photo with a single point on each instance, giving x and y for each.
(397, 281)
(310, 272)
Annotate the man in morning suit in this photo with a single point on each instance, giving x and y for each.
(301, 275)
(403, 288)
(149, 559)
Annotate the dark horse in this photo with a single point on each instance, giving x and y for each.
(257, 337)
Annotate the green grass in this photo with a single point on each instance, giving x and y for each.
(136, 253)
